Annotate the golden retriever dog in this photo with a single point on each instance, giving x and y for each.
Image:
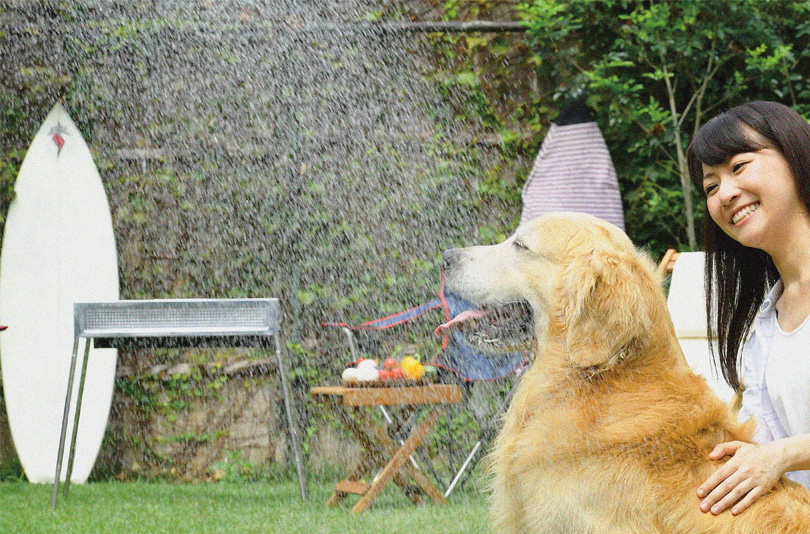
(609, 430)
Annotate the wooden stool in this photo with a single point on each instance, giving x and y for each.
(379, 450)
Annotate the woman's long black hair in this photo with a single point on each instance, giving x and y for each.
(738, 277)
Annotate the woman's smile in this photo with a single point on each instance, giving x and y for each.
(753, 198)
(743, 214)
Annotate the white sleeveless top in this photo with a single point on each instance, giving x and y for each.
(777, 379)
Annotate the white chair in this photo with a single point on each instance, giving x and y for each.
(687, 306)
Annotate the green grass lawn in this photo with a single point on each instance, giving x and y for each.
(141, 507)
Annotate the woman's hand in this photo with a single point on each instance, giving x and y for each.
(751, 472)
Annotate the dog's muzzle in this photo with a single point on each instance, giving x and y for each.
(450, 259)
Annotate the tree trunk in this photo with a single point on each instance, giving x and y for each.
(686, 187)
(683, 170)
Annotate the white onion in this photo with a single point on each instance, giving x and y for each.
(349, 375)
(367, 374)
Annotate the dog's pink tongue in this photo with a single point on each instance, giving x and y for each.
(451, 325)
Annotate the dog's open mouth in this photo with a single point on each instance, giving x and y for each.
(497, 329)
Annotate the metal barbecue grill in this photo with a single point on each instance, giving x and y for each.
(173, 323)
(190, 322)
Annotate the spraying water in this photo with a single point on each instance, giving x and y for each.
(250, 149)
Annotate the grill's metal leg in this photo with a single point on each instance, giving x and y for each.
(352, 344)
(463, 470)
(484, 441)
(72, 454)
(61, 452)
(299, 461)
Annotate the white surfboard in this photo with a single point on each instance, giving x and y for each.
(58, 249)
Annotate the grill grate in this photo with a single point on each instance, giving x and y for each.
(177, 318)
(173, 322)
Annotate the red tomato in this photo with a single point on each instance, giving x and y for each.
(390, 363)
(385, 374)
(397, 373)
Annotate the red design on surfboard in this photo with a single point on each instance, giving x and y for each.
(57, 132)
(60, 142)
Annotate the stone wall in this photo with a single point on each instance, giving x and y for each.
(259, 152)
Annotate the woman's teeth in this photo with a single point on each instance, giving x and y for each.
(743, 213)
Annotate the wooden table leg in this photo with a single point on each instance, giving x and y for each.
(363, 466)
(381, 437)
(425, 485)
(414, 493)
(374, 437)
(397, 462)
(378, 446)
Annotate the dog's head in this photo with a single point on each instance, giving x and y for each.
(586, 285)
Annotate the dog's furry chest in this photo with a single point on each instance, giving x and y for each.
(659, 426)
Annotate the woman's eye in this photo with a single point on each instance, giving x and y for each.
(709, 189)
(737, 167)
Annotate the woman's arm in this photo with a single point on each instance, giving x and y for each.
(751, 471)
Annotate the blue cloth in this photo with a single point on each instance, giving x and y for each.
(464, 360)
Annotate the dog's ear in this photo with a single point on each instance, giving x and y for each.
(605, 304)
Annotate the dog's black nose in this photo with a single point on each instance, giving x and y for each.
(450, 258)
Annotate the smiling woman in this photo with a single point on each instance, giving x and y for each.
(736, 188)
(753, 165)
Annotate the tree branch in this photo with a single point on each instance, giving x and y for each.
(683, 171)
(697, 96)
(638, 123)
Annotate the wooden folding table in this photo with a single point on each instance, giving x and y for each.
(379, 449)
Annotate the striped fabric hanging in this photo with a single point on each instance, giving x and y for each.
(573, 171)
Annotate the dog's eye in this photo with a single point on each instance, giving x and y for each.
(519, 245)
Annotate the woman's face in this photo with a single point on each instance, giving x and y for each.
(753, 198)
